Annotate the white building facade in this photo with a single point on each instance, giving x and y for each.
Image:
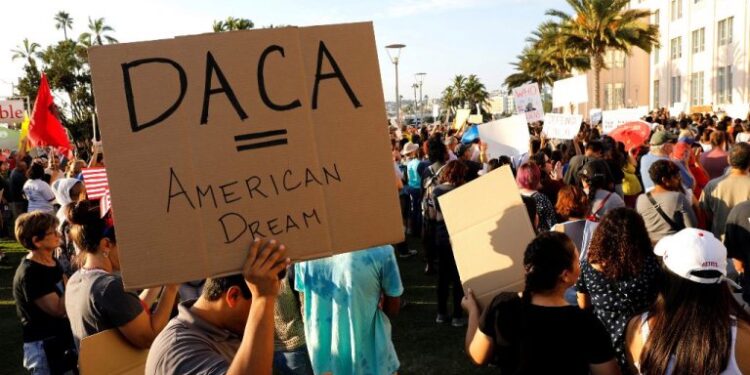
(704, 59)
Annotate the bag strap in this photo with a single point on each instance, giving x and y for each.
(601, 205)
(663, 215)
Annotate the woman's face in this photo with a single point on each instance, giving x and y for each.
(570, 276)
(547, 165)
(51, 241)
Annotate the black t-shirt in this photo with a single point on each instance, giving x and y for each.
(31, 282)
(531, 339)
(17, 180)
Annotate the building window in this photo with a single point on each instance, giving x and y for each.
(619, 96)
(696, 88)
(724, 83)
(676, 9)
(656, 93)
(608, 96)
(676, 48)
(614, 59)
(676, 89)
(699, 40)
(656, 17)
(724, 31)
(657, 50)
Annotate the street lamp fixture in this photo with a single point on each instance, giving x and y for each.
(394, 53)
(419, 77)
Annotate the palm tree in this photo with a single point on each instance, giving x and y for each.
(97, 33)
(600, 25)
(232, 24)
(476, 93)
(449, 101)
(27, 50)
(63, 21)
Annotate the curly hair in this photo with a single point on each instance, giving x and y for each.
(454, 173)
(571, 202)
(620, 244)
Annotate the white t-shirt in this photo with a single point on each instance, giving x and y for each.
(40, 195)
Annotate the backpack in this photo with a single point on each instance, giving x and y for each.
(429, 205)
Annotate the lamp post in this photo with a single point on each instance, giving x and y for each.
(394, 52)
(420, 80)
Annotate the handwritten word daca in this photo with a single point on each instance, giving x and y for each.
(252, 187)
(225, 88)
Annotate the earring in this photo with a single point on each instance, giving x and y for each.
(106, 254)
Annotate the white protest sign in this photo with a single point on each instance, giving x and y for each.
(509, 136)
(529, 101)
(595, 116)
(677, 108)
(11, 111)
(571, 90)
(612, 119)
(737, 110)
(559, 126)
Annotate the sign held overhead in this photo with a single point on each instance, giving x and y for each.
(215, 139)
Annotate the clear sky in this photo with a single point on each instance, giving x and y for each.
(443, 37)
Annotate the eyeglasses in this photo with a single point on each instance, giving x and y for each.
(54, 231)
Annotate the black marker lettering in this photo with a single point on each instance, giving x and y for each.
(173, 177)
(322, 50)
(242, 222)
(228, 194)
(262, 81)
(211, 67)
(134, 125)
(203, 194)
(255, 187)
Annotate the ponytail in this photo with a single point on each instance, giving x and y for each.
(545, 258)
(87, 227)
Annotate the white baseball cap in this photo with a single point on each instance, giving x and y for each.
(691, 250)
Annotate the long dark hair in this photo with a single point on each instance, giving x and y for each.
(692, 324)
(545, 258)
(88, 228)
(620, 244)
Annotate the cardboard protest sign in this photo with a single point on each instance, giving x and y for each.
(462, 116)
(509, 136)
(573, 90)
(701, 109)
(12, 111)
(107, 352)
(215, 139)
(475, 119)
(529, 101)
(559, 126)
(489, 236)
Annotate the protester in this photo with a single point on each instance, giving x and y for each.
(18, 204)
(696, 326)
(744, 136)
(438, 154)
(660, 150)
(528, 179)
(736, 239)
(465, 154)
(38, 290)
(715, 161)
(599, 187)
(550, 175)
(721, 194)
(341, 294)
(631, 185)
(682, 154)
(666, 209)
(451, 177)
(620, 275)
(593, 150)
(95, 298)
(37, 191)
(229, 328)
(538, 332)
(572, 204)
(67, 190)
(413, 187)
(290, 356)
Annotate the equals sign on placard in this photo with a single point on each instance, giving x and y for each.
(259, 140)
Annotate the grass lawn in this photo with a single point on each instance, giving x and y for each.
(423, 346)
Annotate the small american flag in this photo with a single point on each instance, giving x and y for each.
(95, 180)
(105, 204)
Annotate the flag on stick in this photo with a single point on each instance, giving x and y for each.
(95, 181)
(45, 129)
(24, 133)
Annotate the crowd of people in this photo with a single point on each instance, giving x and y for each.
(647, 283)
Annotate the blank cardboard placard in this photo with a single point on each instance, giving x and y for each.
(107, 352)
(215, 139)
(509, 136)
(489, 230)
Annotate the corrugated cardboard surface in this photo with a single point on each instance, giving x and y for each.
(335, 169)
(489, 230)
(108, 353)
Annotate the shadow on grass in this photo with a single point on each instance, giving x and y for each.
(423, 346)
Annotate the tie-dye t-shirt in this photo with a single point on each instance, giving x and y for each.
(346, 331)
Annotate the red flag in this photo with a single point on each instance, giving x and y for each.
(45, 128)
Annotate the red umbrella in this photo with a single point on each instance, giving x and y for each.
(632, 134)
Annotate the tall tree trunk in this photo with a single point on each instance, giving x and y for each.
(597, 81)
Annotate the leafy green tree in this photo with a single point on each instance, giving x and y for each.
(27, 50)
(476, 93)
(232, 24)
(597, 26)
(63, 21)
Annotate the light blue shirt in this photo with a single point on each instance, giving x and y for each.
(415, 180)
(649, 159)
(346, 331)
